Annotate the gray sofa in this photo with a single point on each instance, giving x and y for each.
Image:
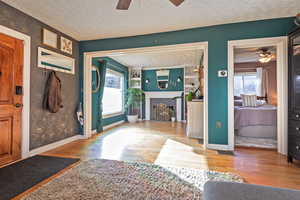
(242, 191)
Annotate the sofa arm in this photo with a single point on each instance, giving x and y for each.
(240, 191)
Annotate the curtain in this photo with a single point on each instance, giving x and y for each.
(262, 78)
(102, 69)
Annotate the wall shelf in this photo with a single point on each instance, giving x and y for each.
(189, 86)
(191, 83)
(191, 77)
(135, 78)
(135, 81)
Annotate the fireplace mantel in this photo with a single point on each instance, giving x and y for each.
(149, 95)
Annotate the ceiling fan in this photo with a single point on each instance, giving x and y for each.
(265, 55)
(124, 4)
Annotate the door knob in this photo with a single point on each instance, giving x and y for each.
(18, 105)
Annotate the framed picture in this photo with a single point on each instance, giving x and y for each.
(66, 45)
(49, 38)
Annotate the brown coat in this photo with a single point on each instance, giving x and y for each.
(52, 97)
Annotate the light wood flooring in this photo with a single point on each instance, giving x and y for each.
(165, 143)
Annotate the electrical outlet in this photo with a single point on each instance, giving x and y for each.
(218, 124)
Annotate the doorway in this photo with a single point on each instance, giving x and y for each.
(255, 97)
(88, 66)
(11, 98)
(279, 44)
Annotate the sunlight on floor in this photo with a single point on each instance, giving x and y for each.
(174, 153)
(125, 141)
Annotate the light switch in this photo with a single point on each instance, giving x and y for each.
(218, 124)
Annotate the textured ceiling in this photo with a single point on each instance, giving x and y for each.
(243, 55)
(158, 60)
(96, 19)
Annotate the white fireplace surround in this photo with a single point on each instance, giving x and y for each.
(150, 95)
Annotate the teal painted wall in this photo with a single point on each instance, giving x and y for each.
(114, 65)
(217, 37)
(152, 85)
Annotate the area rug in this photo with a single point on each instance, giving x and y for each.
(115, 180)
(21, 176)
(267, 143)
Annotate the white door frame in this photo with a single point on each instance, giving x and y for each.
(281, 44)
(87, 80)
(26, 86)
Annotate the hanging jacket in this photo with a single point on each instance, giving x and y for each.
(52, 97)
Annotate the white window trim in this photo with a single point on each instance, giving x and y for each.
(114, 114)
(245, 74)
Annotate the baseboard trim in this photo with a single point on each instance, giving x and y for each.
(222, 147)
(94, 131)
(114, 124)
(54, 145)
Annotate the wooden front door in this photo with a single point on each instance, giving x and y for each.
(11, 93)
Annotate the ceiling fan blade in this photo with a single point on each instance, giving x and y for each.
(177, 2)
(123, 4)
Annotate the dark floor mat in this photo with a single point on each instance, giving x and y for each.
(231, 153)
(23, 175)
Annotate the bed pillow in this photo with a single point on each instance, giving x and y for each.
(249, 100)
(261, 102)
(238, 102)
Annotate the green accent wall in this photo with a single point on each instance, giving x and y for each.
(114, 65)
(217, 37)
(152, 85)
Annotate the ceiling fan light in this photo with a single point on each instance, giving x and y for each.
(265, 59)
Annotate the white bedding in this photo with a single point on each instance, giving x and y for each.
(258, 121)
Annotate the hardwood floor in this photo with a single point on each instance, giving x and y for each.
(164, 143)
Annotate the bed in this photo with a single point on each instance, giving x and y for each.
(260, 121)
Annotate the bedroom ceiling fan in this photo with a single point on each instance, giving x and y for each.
(124, 4)
(265, 55)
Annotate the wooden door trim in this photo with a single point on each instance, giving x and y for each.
(26, 86)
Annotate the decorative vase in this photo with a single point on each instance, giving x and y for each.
(132, 118)
(173, 119)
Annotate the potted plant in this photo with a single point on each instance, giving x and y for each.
(134, 99)
(189, 96)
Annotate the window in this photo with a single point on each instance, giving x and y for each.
(245, 83)
(113, 96)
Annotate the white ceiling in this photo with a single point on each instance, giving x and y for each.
(244, 55)
(97, 19)
(186, 58)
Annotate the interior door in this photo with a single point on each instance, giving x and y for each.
(11, 86)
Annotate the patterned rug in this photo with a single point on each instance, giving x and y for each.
(115, 180)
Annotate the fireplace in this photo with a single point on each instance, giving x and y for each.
(162, 109)
(163, 97)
